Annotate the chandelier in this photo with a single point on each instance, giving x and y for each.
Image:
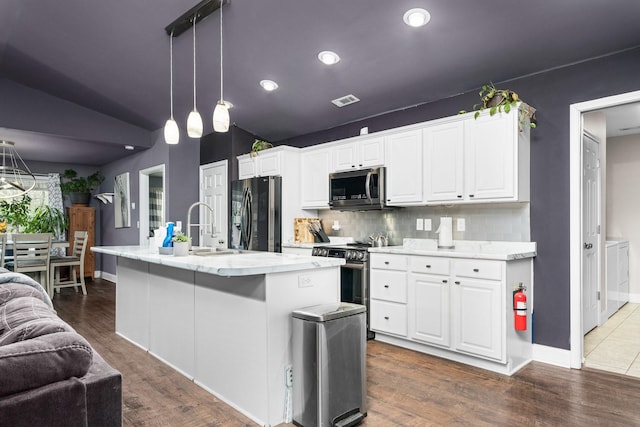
(15, 177)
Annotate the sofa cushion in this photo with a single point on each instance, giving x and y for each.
(9, 291)
(8, 277)
(23, 318)
(42, 360)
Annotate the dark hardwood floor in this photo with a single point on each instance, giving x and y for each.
(404, 388)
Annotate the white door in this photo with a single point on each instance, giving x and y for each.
(214, 192)
(590, 225)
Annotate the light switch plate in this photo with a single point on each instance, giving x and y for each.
(419, 224)
(462, 224)
(427, 224)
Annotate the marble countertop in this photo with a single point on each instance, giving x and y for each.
(493, 250)
(238, 264)
(333, 240)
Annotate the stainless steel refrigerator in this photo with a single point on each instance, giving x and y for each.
(256, 221)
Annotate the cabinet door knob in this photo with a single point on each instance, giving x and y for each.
(386, 262)
(475, 270)
(459, 196)
(386, 317)
(386, 286)
(457, 282)
(428, 266)
(445, 281)
(470, 195)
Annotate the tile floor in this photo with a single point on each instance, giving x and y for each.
(615, 346)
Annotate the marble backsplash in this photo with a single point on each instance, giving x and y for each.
(504, 222)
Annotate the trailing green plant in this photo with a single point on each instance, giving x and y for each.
(259, 145)
(16, 212)
(70, 182)
(499, 100)
(180, 237)
(47, 219)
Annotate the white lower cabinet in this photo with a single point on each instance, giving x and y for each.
(456, 308)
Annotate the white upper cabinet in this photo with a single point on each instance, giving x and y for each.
(444, 162)
(314, 178)
(490, 157)
(477, 160)
(361, 153)
(403, 154)
(268, 162)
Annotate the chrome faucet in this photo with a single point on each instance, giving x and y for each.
(189, 225)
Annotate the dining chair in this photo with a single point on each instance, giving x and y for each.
(75, 261)
(31, 254)
(3, 247)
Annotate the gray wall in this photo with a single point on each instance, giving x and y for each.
(551, 93)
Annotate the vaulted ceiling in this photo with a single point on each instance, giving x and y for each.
(113, 56)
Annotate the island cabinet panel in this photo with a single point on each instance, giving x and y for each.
(132, 301)
(83, 218)
(171, 321)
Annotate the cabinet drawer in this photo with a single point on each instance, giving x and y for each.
(389, 317)
(478, 269)
(389, 285)
(389, 262)
(429, 265)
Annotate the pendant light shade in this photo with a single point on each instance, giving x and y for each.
(221, 117)
(171, 131)
(194, 121)
(221, 112)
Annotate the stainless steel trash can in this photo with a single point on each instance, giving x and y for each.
(329, 370)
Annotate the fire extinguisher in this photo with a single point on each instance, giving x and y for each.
(520, 308)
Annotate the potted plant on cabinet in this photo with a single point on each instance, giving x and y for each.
(79, 188)
(499, 100)
(259, 145)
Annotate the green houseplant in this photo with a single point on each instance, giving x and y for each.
(47, 219)
(16, 213)
(180, 244)
(259, 145)
(79, 188)
(499, 100)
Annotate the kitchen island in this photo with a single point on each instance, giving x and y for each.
(222, 320)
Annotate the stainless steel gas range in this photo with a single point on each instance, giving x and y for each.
(354, 275)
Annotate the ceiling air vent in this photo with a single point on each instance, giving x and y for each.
(345, 100)
(630, 128)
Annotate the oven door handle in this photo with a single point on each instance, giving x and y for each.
(354, 266)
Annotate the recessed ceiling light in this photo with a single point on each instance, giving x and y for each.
(327, 57)
(269, 85)
(416, 17)
(128, 147)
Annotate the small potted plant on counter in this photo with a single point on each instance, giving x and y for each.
(259, 145)
(180, 244)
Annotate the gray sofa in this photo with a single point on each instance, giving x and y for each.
(49, 374)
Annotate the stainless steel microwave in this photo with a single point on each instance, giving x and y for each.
(357, 190)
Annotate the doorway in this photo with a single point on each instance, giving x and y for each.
(214, 192)
(152, 201)
(576, 212)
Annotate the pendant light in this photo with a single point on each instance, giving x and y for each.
(15, 177)
(221, 112)
(194, 121)
(171, 131)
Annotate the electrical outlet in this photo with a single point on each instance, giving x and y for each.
(462, 224)
(419, 224)
(305, 281)
(427, 224)
(288, 376)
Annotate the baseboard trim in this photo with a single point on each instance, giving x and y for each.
(106, 276)
(552, 355)
(634, 298)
